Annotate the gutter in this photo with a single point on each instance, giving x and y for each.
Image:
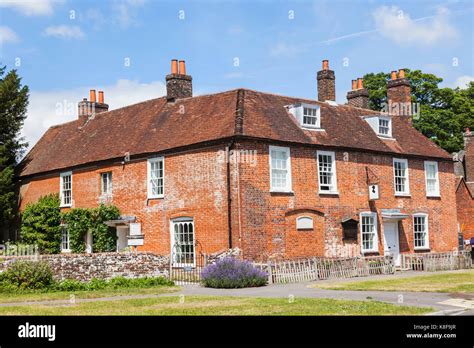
(229, 196)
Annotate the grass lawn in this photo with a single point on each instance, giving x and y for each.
(65, 295)
(461, 282)
(204, 305)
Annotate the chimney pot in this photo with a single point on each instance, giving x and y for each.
(401, 73)
(92, 95)
(325, 64)
(182, 67)
(354, 85)
(174, 66)
(393, 75)
(101, 97)
(359, 83)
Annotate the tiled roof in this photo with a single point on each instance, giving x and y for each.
(157, 126)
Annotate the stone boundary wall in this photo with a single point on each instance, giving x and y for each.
(84, 267)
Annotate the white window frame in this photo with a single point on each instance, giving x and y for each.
(407, 177)
(109, 184)
(436, 192)
(61, 188)
(317, 110)
(427, 234)
(333, 188)
(149, 178)
(68, 237)
(174, 243)
(375, 246)
(389, 132)
(288, 187)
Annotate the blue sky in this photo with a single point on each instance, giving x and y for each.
(274, 46)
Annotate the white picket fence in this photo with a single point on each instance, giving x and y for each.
(294, 271)
(430, 262)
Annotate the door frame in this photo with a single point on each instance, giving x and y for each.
(397, 260)
(126, 234)
(172, 241)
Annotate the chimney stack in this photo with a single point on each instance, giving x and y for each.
(359, 96)
(468, 155)
(326, 83)
(178, 84)
(88, 108)
(399, 94)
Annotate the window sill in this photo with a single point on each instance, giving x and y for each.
(290, 192)
(369, 252)
(65, 206)
(156, 197)
(402, 195)
(422, 249)
(433, 196)
(334, 193)
(66, 251)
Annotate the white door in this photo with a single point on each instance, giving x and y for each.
(182, 242)
(391, 241)
(122, 239)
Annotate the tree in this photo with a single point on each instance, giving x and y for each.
(444, 112)
(41, 224)
(13, 107)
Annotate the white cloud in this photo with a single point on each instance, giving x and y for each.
(7, 35)
(32, 7)
(54, 107)
(397, 25)
(124, 12)
(64, 32)
(462, 81)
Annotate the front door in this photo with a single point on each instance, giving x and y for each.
(391, 241)
(182, 242)
(122, 238)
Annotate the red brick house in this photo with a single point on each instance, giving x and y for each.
(464, 170)
(275, 176)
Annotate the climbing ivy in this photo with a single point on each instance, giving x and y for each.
(80, 220)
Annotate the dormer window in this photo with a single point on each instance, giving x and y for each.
(307, 115)
(382, 125)
(385, 126)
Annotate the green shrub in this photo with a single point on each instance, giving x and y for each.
(40, 224)
(69, 285)
(28, 275)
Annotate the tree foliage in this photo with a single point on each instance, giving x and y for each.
(13, 107)
(444, 112)
(40, 224)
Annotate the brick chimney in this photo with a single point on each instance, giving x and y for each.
(398, 94)
(359, 96)
(326, 83)
(88, 108)
(178, 84)
(468, 155)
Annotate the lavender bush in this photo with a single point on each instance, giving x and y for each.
(232, 273)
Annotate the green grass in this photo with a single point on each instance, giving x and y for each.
(204, 305)
(461, 282)
(65, 295)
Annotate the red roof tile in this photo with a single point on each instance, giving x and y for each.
(156, 126)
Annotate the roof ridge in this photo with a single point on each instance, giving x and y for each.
(239, 112)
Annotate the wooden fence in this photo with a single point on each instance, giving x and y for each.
(326, 268)
(430, 262)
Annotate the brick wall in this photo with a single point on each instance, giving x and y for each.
(84, 267)
(263, 223)
(267, 225)
(465, 213)
(195, 186)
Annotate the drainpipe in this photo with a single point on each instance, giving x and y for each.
(229, 198)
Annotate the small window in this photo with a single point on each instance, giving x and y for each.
(432, 179)
(280, 169)
(368, 231)
(327, 172)
(385, 128)
(106, 183)
(310, 117)
(304, 223)
(156, 170)
(401, 181)
(420, 229)
(65, 245)
(65, 190)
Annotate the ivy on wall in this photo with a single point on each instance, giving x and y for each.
(80, 221)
